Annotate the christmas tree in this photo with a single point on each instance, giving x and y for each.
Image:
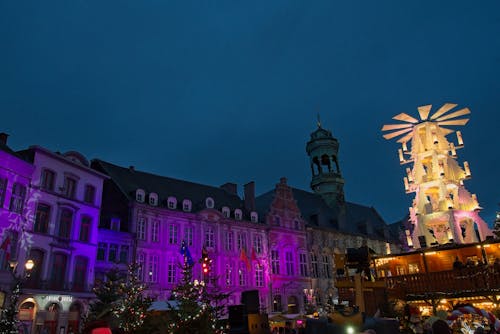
(496, 227)
(120, 301)
(9, 323)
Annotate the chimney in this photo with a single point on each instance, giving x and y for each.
(3, 138)
(249, 192)
(231, 188)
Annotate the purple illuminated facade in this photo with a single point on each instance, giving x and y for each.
(56, 221)
(78, 220)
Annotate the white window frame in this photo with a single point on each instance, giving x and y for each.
(172, 203)
(153, 266)
(210, 237)
(303, 264)
(173, 234)
(254, 217)
(289, 263)
(259, 275)
(140, 195)
(275, 262)
(171, 271)
(226, 212)
(238, 215)
(155, 230)
(153, 199)
(229, 241)
(209, 202)
(142, 225)
(188, 235)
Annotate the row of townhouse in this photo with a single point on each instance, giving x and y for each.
(77, 220)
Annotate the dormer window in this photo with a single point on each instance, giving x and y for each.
(172, 203)
(237, 214)
(186, 205)
(140, 195)
(209, 203)
(254, 217)
(225, 211)
(153, 199)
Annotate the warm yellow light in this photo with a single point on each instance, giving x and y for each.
(430, 253)
(29, 264)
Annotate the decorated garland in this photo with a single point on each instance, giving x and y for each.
(474, 310)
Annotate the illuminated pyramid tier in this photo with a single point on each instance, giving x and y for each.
(443, 210)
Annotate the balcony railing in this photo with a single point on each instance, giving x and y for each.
(475, 281)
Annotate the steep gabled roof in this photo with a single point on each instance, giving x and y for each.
(129, 180)
(315, 211)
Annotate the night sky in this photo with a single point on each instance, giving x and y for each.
(219, 91)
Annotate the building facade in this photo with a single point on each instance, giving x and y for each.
(55, 225)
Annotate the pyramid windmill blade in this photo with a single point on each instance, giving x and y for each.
(424, 111)
(395, 134)
(461, 112)
(395, 126)
(454, 122)
(405, 138)
(405, 118)
(446, 107)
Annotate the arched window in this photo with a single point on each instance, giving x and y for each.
(186, 205)
(153, 199)
(237, 214)
(254, 217)
(65, 223)
(226, 212)
(140, 195)
(80, 273)
(172, 203)
(209, 203)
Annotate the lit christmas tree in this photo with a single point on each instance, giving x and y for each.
(496, 227)
(9, 323)
(130, 310)
(120, 301)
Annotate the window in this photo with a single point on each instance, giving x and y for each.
(155, 231)
(17, 198)
(289, 263)
(277, 221)
(3, 188)
(237, 214)
(140, 195)
(85, 229)
(89, 195)
(275, 262)
(153, 269)
(254, 217)
(259, 276)
(69, 187)
(188, 235)
(141, 228)
(58, 271)
(172, 234)
(115, 224)
(413, 268)
(257, 244)
(326, 267)
(277, 303)
(172, 203)
(65, 223)
(186, 205)
(209, 237)
(153, 199)
(80, 275)
(124, 254)
(171, 271)
(209, 203)
(297, 225)
(101, 251)
(242, 276)
(226, 212)
(141, 265)
(303, 264)
(113, 252)
(314, 266)
(47, 180)
(229, 241)
(42, 217)
(400, 270)
(241, 241)
(228, 274)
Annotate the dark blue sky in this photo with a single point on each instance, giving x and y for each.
(217, 91)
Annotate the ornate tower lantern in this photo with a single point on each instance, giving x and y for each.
(443, 210)
(327, 179)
